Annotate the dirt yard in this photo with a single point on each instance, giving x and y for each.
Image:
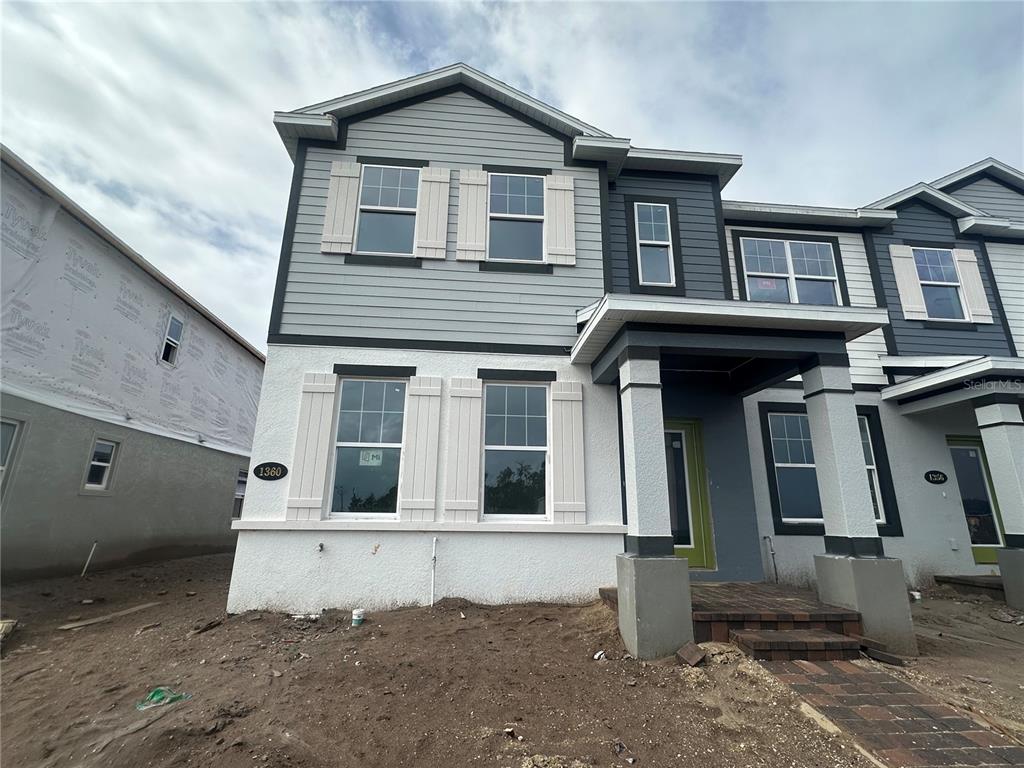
(416, 687)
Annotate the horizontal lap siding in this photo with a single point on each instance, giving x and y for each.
(993, 198)
(443, 300)
(864, 352)
(1008, 266)
(919, 224)
(698, 231)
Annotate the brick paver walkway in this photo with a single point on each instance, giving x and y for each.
(900, 725)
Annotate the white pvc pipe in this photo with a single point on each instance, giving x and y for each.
(89, 558)
(433, 568)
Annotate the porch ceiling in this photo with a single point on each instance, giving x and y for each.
(615, 310)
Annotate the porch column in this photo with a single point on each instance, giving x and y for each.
(654, 585)
(854, 571)
(1002, 433)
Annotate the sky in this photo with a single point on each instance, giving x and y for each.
(157, 118)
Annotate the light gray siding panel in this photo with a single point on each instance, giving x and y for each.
(443, 300)
(1008, 266)
(993, 198)
(864, 352)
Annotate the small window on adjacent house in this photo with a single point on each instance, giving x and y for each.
(940, 283)
(9, 430)
(101, 465)
(172, 340)
(515, 449)
(516, 218)
(368, 449)
(387, 210)
(790, 271)
(654, 244)
(240, 483)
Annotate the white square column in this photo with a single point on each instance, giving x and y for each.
(853, 572)
(1002, 433)
(655, 617)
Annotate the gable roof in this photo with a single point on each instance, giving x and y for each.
(932, 195)
(987, 167)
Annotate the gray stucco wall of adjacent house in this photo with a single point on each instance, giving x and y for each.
(920, 224)
(733, 519)
(444, 300)
(167, 498)
(698, 230)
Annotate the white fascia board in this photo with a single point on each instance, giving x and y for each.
(452, 74)
(88, 220)
(587, 312)
(988, 225)
(616, 310)
(936, 197)
(989, 165)
(291, 127)
(611, 150)
(770, 212)
(972, 369)
(924, 361)
(724, 166)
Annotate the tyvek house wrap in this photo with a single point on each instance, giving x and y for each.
(82, 329)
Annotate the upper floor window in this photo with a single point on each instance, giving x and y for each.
(101, 465)
(790, 271)
(387, 210)
(516, 218)
(940, 283)
(368, 449)
(515, 449)
(172, 340)
(654, 244)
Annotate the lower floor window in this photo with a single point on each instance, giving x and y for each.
(101, 464)
(240, 482)
(515, 449)
(368, 449)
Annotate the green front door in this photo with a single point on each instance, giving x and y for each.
(978, 498)
(688, 493)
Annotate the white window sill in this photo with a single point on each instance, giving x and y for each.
(334, 524)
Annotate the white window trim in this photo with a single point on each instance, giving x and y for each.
(108, 476)
(168, 340)
(872, 470)
(548, 515)
(331, 515)
(386, 209)
(686, 485)
(791, 277)
(516, 217)
(659, 243)
(964, 309)
(6, 464)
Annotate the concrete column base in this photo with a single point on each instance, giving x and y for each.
(1011, 568)
(874, 587)
(655, 617)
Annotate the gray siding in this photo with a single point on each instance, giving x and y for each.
(444, 300)
(698, 231)
(920, 224)
(993, 197)
(1008, 266)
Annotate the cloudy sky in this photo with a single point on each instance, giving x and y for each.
(157, 117)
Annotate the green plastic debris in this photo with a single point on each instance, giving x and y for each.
(161, 695)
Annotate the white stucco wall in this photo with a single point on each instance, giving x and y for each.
(935, 537)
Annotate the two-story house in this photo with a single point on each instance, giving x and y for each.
(513, 357)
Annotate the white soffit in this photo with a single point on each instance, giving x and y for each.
(615, 310)
(809, 214)
(989, 225)
(957, 374)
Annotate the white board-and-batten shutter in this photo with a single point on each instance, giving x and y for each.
(313, 442)
(418, 491)
(973, 289)
(342, 201)
(568, 483)
(908, 283)
(471, 239)
(432, 213)
(462, 477)
(559, 220)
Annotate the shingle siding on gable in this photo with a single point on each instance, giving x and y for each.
(443, 300)
(698, 231)
(920, 224)
(993, 197)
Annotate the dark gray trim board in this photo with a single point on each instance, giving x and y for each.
(285, 258)
(373, 260)
(518, 170)
(303, 340)
(649, 546)
(606, 243)
(781, 234)
(526, 268)
(854, 546)
(514, 374)
(398, 161)
(723, 248)
(387, 371)
(1014, 540)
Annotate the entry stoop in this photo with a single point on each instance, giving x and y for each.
(793, 644)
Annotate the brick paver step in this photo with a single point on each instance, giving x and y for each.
(785, 645)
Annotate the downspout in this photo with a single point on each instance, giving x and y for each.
(771, 551)
(433, 568)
